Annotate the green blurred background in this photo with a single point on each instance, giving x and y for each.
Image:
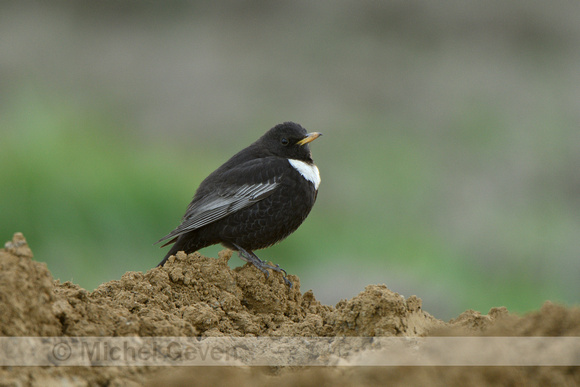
(450, 157)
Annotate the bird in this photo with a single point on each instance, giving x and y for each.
(254, 200)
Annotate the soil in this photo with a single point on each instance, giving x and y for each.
(195, 295)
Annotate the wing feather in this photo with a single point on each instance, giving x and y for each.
(220, 204)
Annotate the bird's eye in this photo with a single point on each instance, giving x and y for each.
(284, 141)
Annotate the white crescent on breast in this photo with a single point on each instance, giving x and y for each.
(308, 171)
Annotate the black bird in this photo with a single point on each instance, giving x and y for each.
(253, 201)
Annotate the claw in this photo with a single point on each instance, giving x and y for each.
(282, 270)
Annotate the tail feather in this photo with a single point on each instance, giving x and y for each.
(169, 254)
(178, 246)
(188, 243)
(168, 243)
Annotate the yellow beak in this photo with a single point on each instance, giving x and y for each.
(309, 138)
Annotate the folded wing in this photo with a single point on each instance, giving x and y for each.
(221, 203)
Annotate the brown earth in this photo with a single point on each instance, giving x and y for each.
(200, 296)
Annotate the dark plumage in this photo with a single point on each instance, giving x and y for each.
(256, 199)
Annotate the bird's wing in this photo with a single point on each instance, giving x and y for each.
(226, 198)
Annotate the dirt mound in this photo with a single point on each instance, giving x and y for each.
(192, 296)
(200, 296)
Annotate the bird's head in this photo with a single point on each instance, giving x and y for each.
(289, 140)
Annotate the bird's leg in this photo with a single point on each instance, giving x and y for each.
(252, 258)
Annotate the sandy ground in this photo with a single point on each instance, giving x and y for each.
(200, 296)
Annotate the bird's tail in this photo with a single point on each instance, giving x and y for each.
(169, 254)
(185, 242)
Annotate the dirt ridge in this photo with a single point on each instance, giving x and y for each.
(195, 295)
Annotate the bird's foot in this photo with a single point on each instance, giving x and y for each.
(252, 258)
(275, 268)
